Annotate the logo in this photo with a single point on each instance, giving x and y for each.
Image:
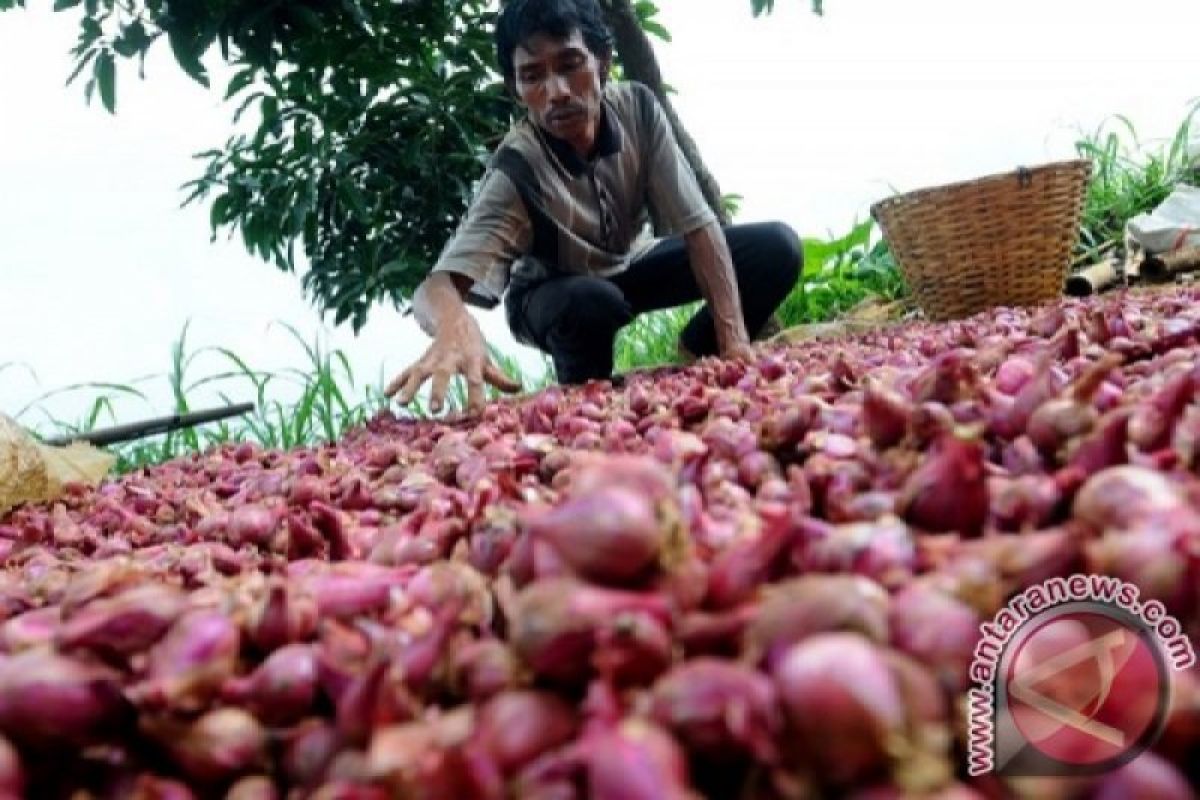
(1072, 677)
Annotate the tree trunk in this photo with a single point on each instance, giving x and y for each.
(640, 64)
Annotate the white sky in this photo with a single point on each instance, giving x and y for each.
(811, 119)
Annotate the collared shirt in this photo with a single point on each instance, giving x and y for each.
(541, 209)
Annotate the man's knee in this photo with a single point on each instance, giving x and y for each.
(594, 307)
(768, 256)
(785, 254)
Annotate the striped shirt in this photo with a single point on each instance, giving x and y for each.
(540, 209)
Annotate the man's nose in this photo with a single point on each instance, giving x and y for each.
(557, 87)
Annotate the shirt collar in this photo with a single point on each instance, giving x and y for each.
(608, 142)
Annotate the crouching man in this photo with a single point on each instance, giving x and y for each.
(558, 226)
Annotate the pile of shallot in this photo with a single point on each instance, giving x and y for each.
(761, 581)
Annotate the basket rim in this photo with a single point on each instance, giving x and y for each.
(899, 197)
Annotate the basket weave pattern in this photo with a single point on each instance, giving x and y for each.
(1000, 240)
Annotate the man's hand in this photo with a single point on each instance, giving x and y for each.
(738, 350)
(457, 349)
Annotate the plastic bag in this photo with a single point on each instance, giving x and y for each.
(1174, 224)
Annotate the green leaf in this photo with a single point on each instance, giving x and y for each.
(353, 196)
(356, 12)
(241, 109)
(860, 234)
(63, 5)
(239, 81)
(307, 17)
(106, 81)
(89, 32)
(652, 27)
(80, 64)
(187, 50)
(269, 110)
(220, 214)
(133, 40)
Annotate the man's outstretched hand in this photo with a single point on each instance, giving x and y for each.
(458, 349)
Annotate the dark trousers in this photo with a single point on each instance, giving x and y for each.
(575, 318)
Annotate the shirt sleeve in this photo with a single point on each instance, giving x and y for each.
(671, 186)
(493, 233)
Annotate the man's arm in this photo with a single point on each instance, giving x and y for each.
(673, 192)
(439, 299)
(713, 266)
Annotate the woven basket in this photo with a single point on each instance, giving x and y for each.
(1000, 240)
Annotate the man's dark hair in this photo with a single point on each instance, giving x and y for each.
(521, 19)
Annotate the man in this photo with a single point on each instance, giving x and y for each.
(559, 221)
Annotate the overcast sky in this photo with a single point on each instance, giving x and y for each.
(810, 119)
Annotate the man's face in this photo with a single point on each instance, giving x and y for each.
(559, 82)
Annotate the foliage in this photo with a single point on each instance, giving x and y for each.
(651, 339)
(366, 153)
(294, 407)
(324, 403)
(646, 12)
(839, 273)
(368, 122)
(1128, 180)
(767, 6)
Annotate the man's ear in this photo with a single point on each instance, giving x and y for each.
(604, 68)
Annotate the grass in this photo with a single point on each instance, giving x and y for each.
(839, 273)
(325, 401)
(651, 339)
(294, 407)
(325, 408)
(1128, 179)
